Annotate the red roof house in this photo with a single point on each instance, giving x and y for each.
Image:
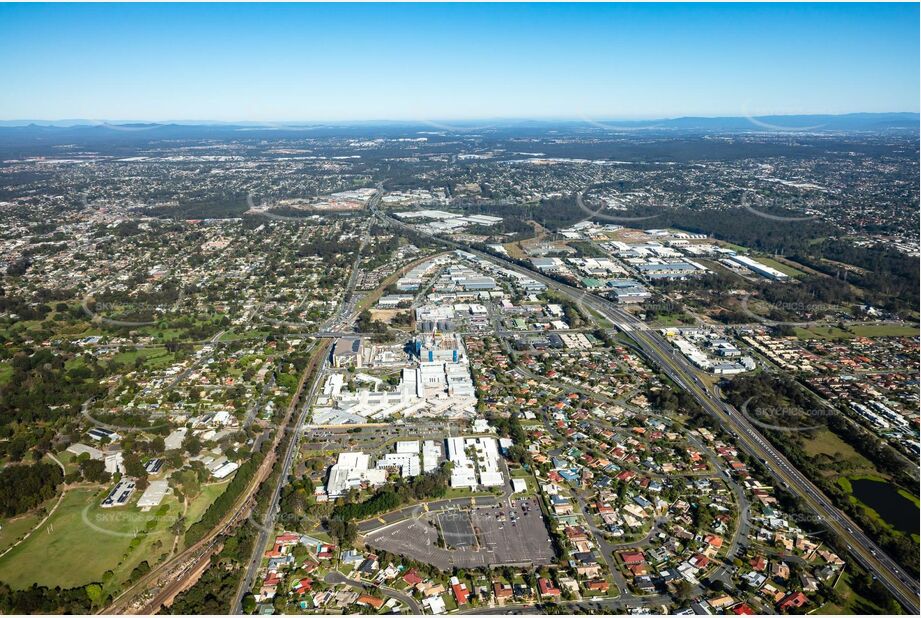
(547, 588)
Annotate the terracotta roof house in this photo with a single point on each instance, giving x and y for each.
(792, 601)
(412, 577)
(632, 557)
(547, 588)
(461, 594)
(367, 599)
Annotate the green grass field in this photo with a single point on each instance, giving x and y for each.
(6, 372)
(248, 334)
(600, 320)
(828, 443)
(785, 269)
(908, 496)
(736, 248)
(13, 529)
(520, 473)
(202, 501)
(671, 319)
(68, 459)
(869, 330)
(885, 330)
(464, 493)
(852, 603)
(82, 541)
(154, 358)
(152, 547)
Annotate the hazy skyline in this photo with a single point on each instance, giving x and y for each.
(416, 62)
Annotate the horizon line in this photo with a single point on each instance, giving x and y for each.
(434, 119)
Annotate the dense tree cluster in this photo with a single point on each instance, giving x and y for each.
(677, 400)
(889, 278)
(203, 207)
(332, 250)
(42, 388)
(509, 426)
(23, 487)
(366, 324)
(44, 600)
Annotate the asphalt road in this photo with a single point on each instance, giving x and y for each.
(618, 605)
(266, 527)
(376, 524)
(335, 577)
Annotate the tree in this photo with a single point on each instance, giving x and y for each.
(133, 466)
(95, 595)
(94, 471)
(683, 590)
(345, 532)
(249, 603)
(23, 487)
(192, 445)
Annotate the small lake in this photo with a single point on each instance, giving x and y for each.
(897, 510)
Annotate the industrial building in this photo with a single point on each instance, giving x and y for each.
(99, 434)
(698, 345)
(225, 469)
(758, 267)
(174, 440)
(628, 291)
(669, 270)
(415, 277)
(406, 464)
(463, 472)
(431, 455)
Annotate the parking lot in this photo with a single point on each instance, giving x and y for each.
(494, 535)
(457, 530)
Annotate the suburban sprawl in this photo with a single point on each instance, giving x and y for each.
(420, 370)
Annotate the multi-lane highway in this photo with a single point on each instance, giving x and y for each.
(904, 587)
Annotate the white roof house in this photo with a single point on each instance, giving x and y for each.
(154, 494)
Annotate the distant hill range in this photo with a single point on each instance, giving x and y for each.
(808, 122)
(901, 121)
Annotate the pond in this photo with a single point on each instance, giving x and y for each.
(897, 510)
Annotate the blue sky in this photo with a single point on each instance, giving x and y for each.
(439, 61)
